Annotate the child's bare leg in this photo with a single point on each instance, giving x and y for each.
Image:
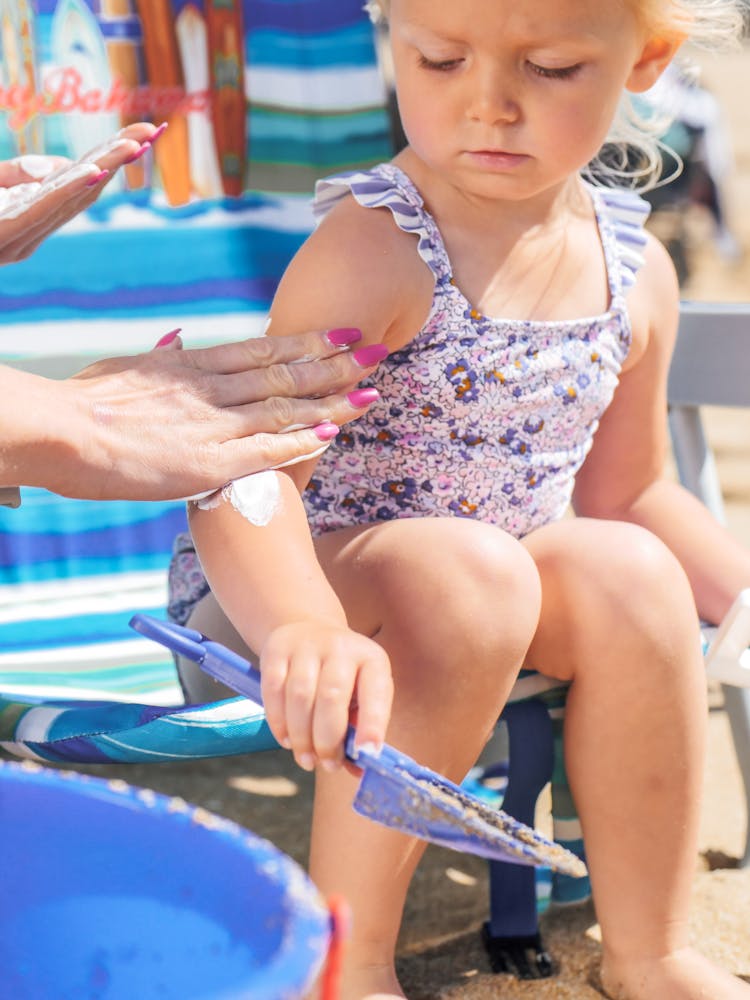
(619, 620)
(455, 604)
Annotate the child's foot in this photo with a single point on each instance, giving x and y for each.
(684, 975)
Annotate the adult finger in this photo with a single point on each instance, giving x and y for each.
(242, 457)
(32, 211)
(29, 167)
(311, 378)
(283, 413)
(261, 352)
(123, 144)
(46, 213)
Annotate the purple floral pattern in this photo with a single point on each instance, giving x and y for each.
(186, 584)
(479, 417)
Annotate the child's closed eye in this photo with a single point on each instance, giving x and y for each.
(555, 72)
(439, 65)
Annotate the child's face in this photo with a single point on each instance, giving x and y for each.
(508, 98)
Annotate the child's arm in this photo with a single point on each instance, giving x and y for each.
(622, 478)
(269, 583)
(267, 578)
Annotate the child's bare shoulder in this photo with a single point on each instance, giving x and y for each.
(360, 267)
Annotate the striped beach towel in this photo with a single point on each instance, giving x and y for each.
(262, 98)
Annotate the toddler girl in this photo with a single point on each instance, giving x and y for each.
(529, 323)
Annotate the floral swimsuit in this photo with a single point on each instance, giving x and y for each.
(480, 417)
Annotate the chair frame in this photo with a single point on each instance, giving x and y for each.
(707, 370)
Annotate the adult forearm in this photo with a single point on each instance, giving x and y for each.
(37, 421)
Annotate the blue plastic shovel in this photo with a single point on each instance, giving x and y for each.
(394, 790)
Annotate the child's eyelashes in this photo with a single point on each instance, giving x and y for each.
(439, 65)
(546, 72)
(555, 72)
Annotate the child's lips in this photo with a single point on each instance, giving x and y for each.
(497, 158)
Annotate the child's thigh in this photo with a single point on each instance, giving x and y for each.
(427, 567)
(605, 584)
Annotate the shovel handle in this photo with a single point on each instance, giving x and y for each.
(221, 663)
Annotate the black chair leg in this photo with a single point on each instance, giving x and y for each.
(511, 935)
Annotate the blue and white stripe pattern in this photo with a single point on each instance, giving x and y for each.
(112, 282)
(628, 212)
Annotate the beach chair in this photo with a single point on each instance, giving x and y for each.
(709, 368)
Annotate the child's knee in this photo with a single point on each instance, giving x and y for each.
(641, 576)
(478, 581)
(614, 578)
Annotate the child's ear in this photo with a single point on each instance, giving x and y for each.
(654, 58)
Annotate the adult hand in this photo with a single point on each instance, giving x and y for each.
(171, 423)
(38, 194)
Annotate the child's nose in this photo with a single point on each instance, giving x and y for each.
(494, 98)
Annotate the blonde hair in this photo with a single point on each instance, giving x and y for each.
(633, 150)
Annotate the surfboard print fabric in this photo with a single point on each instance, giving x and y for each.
(262, 98)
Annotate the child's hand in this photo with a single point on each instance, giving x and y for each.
(313, 675)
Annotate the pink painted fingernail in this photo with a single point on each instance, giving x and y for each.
(168, 338)
(97, 178)
(160, 131)
(326, 431)
(363, 397)
(343, 336)
(139, 153)
(371, 355)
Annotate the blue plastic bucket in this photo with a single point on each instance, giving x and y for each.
(113, 893)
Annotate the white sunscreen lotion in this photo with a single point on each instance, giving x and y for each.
(256, 497)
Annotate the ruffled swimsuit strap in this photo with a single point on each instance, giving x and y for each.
(387, 186)
(622, 215)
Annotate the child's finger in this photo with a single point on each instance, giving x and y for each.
(274, 669)
(374, 701)
(300, 690)
(331, 715)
